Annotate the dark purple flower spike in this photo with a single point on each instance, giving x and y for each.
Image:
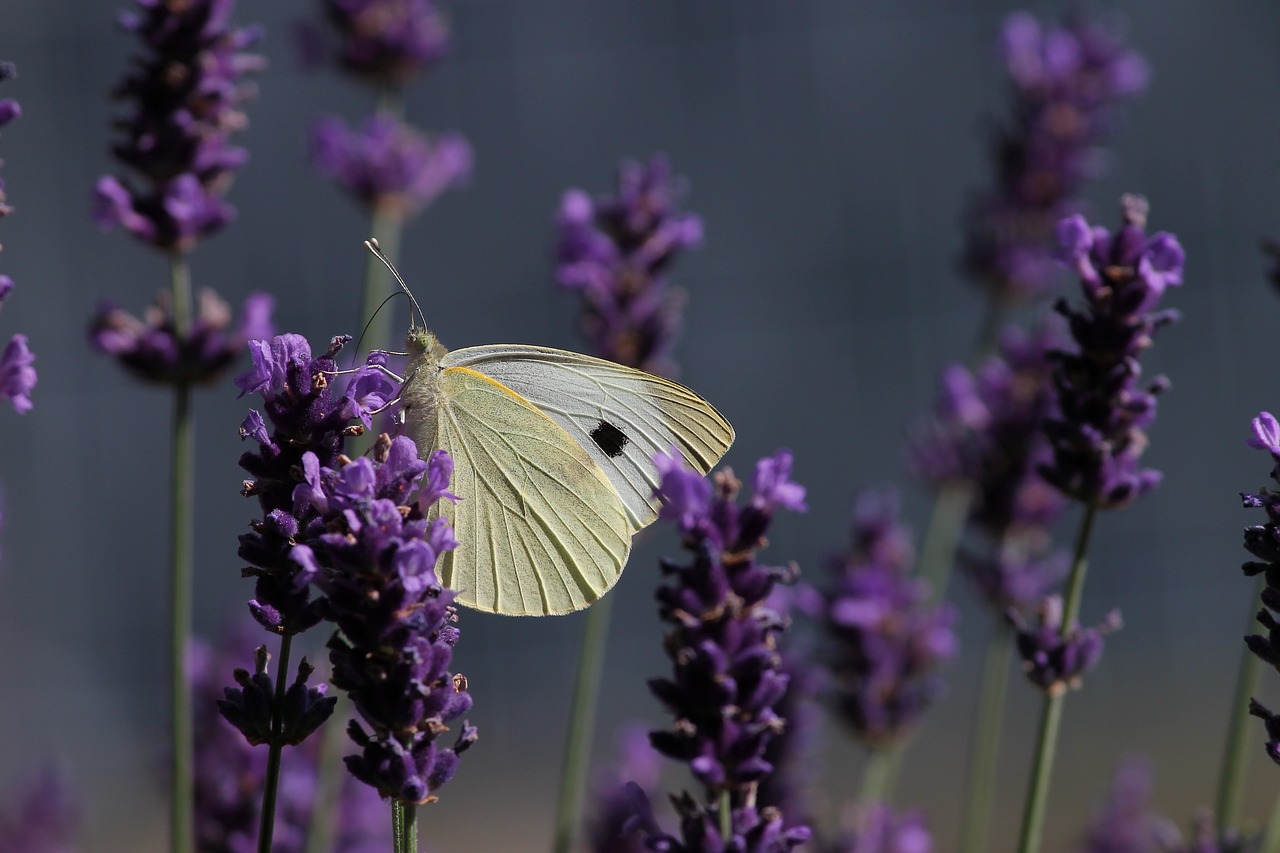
(1066, 81)
(612, 827)
(1057, 655)
(186, 93)
(885, 640)
(386, 42)
(722, 640)
(616, 251)
(1098, 432)
(375, 563)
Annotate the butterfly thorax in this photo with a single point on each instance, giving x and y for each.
(419, 395)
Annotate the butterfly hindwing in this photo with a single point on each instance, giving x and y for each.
(620, 416)
(540, 527)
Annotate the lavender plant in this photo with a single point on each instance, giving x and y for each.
(40, 815)
(186, 91)
(611, 828)
(310, 423)
(390, 168)
(727, 675)
(877, 828)
(1097, 434)
(615, 251)
(17, 375)
(1066, 83)
(885, 640)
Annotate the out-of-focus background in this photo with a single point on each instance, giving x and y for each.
(829, 147)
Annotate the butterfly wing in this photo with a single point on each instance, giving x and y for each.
(620, 416)
(540, 527)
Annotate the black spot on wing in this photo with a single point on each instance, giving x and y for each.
(609, 439)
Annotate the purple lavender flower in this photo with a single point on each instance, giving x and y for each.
(1056, 657)
(230, 774)
(615, 251)
(1066, 82)
(187, 91)
(875, 828)
(17, 376)
(310, 422)
(387, 41)
(611, 828)
(39, 816)
(151, 349)
(885, 642)
(986, 433)
(1098, 433)
(375, 563)
(251, 708)
(722, 640)
(388, 166)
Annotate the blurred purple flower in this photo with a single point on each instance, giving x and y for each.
(17, 375)
(875, 828)
(722, 640)
(1066, 82)
(884, 641)
(309, 419)
(616, 251)
(39, 816)
(611, 827)
(375, 563)
(230, 774)
(186, 90)
(987, 433)
(1055, 656)
(1098, 432)
(387, 165)
(149, 348)
(384, 41)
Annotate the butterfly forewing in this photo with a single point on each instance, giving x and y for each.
(620, 416)
(540, 528)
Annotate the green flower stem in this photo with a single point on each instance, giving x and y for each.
(879, 774)
(181, 567)
(1235, 759)
(726, 815)
(386, 227)
(324, 812)
(404, 826)
(946, 524)
(986, 741)
(582, 717)
(1271, 838)
(271, 785)
(1051, 712)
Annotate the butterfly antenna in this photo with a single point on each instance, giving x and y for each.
(355, 352)
(372, 245)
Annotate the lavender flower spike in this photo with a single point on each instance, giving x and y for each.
(17, 375)
(375, 563)
(885, 642)
(1099, 431)
(388, 166)
(388, 41)
(616, 252)
(722, 640)
(186, 92)
(1066, 81)
(875, 828)
(1055, 656)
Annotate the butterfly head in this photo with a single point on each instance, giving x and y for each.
(421, 342)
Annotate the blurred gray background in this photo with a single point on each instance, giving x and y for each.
(829, 147)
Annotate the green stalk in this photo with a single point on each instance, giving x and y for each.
(181, 567)
(986, 742)
(942, 536)
(404, 827)
(271, 785)
(1271, 838)
(879, 774)
(387, 228)
(324, 810)
(582, 716)
(1051, 712)
(1235, 759)
(726, 815)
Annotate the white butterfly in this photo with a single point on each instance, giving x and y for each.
(553, 465)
